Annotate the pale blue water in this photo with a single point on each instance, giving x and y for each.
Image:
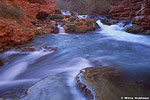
(108, 46)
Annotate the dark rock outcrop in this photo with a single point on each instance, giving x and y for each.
(42, 15)
(1, 62)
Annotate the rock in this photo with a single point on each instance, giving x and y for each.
(109, 22)
(14, 93)
(135, 29)
(107, 83)
(50, 88)
(1, 62)
(74, 25)
(46, 26)
(33, 49)
(42, 15)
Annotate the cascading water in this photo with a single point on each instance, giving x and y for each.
(65, 12)
(108, 46)
(61, 29)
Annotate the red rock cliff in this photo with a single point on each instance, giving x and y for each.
(137, 10)
(16, 17)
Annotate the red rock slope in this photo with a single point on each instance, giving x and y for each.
(16, 17)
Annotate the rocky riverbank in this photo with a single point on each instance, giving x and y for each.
(21, 20)
(109, 84)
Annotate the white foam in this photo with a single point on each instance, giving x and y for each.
(117, 32)
(61, 30)
(65, 12)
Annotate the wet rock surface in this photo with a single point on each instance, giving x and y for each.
(14, 93)
(110, 84)
(109, 22)
(50, 88)
(33, 49)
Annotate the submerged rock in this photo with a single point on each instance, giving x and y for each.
(109, 84)
(13, 94)
(50, 88)
(33, 49)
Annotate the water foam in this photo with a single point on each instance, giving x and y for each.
(117, 32)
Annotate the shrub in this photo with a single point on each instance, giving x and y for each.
(11, 12)
(52, 17)
(72, 19)
(88, 23)
(78, 24)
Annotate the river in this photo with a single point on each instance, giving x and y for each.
(107, 46)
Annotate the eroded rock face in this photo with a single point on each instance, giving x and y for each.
(110, 84)
(16, 19)
(136, 10)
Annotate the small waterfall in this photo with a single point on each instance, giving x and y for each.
(61, 29)
(65, 12)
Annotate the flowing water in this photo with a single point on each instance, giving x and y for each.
(61, 29)
(108, 46)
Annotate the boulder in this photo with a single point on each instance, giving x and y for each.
(108, 83)
(74, 25)
(109, 22)
(49, 88)
(135, 29)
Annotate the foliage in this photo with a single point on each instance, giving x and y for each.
(52, 17)
(88, 23)
(78, 24)
(11, 12)
(72, 19)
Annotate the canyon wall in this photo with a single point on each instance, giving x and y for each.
(136, 10)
